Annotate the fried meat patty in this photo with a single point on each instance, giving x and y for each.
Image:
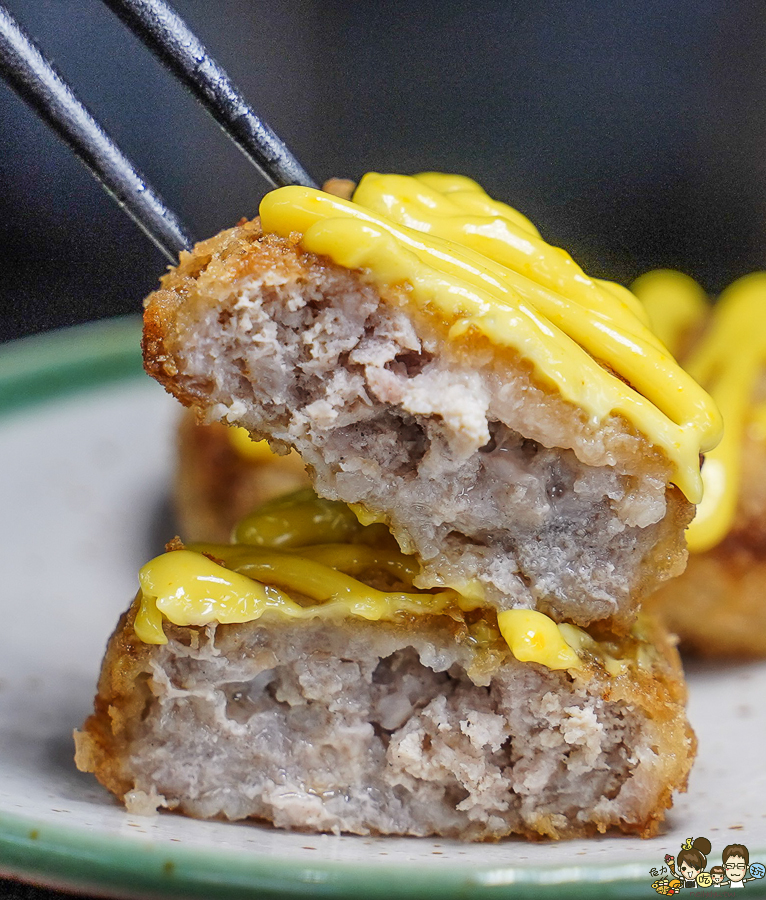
(501, 488)
(405, 728)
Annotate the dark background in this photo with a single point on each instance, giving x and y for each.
(632, 133)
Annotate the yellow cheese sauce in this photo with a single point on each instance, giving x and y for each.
(478, 267)
(534, 637)
(297, 555)
(675, 304)
(247, 448)
(240, 582)
(728, 361)
(186, 588)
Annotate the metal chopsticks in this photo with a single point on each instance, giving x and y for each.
(34, 79)
(166, 34)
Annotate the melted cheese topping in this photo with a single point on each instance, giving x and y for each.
(534, 637)
(296, 547)
(478, 268)
(298, 574)
(675, 303)
(247, 448)
(188, 588)
(728, 361)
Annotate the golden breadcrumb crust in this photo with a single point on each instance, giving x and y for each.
(123, 692)
(207, 286)
(657, 689)
(207, 277)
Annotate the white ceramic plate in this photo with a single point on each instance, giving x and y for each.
(85, 463)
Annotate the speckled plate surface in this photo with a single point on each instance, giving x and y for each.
(85, 461)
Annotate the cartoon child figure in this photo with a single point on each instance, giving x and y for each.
(717, 875)
(735, 860)
(692, 860)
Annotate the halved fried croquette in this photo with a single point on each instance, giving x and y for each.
(502, 488)
(414, 727)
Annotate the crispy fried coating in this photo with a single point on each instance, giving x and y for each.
(388, 728)
(555, 512)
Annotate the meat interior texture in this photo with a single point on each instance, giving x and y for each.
(383, 728)
(476, 467)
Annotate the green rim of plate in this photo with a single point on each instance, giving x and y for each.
(64, 362)
(43, 366)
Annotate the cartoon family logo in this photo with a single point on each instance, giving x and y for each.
(688, 869)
